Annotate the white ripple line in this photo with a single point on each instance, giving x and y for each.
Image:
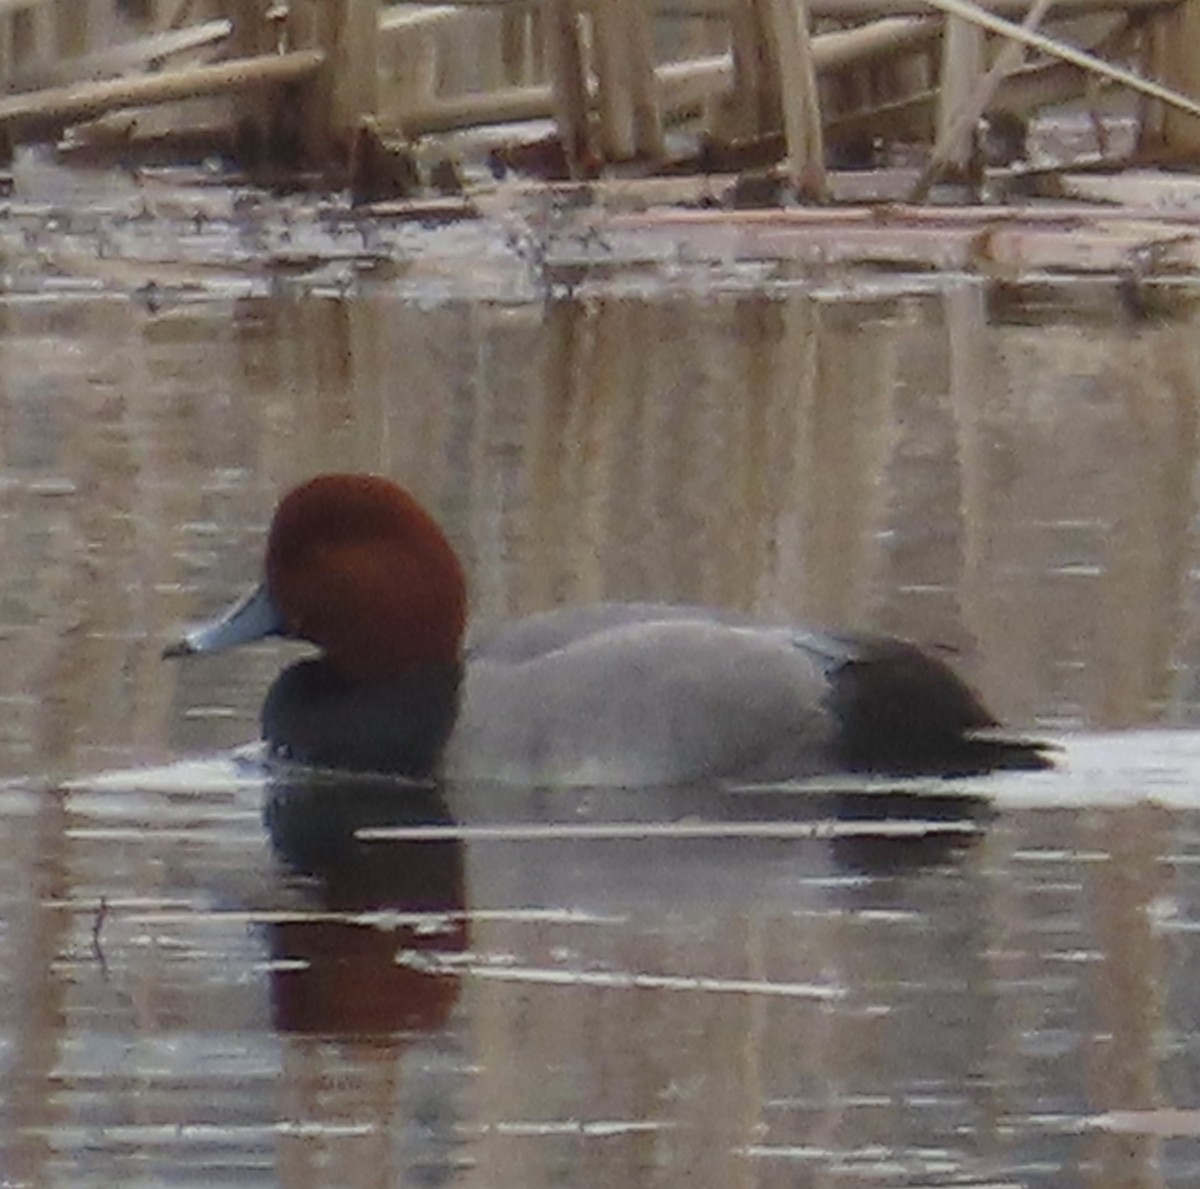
(536, 831)
(619, 980)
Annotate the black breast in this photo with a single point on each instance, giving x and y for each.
(313, 716)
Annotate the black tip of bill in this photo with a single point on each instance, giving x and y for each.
(254, 617)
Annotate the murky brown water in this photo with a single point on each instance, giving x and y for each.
(208, 979)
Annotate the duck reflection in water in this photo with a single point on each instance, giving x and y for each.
(888, 832)
(341, 971)
(344, 966)
(349, 964)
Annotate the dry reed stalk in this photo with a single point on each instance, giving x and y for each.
(647, 114)
(1057, 49)
(1181, 69)
(63, 105)
(139, 54)
(352, 62)
(997, 241)
(1063, 9)
(963, 49)
(754, 100)
(250, 36)
(627, 93)
(800, 101)
(568, 84)
(1031, 87)
(504, 105)
(849, 47)
(614, 84)
(681, 86)
(1025, 89)
(960, 123)
(345, 90)
(403, 20)
(834, 9)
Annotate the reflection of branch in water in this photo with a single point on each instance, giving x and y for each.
(825, 828)
(97, 925)
(499, 969)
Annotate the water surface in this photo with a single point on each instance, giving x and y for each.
(207, 977)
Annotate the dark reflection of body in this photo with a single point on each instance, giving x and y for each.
(704, 943)
(337, 973)
(735, 961)
(878, 828)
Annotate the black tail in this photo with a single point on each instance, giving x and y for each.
(905, 713)
(988, 753)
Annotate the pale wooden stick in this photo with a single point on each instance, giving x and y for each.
(569, 83)
(137, 54)
(1006, 62)
(879, 38)
(1057, 49)
(962, 66)
(86, 100)
(681, 85)
(799, 99)
(1182, 70)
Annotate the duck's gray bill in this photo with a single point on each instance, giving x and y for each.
(253, 618)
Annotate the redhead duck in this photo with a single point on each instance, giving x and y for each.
(630, 695)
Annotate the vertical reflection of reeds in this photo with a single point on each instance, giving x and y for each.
(844, 494)
(555, 453)
(969, 383)
(1023, 493)
(1179, 362)
(1130, 988)
(912, 464)
(1146, 577)
(38, 862)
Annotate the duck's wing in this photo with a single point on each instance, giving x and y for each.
(563, 627)
(640, 695)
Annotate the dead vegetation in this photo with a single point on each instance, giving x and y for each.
(618, 108)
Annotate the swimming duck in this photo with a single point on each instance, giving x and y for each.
(630, 694)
